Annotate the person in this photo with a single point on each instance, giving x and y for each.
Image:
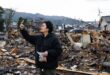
(47, 48)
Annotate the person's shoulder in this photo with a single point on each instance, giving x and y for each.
(54, 36)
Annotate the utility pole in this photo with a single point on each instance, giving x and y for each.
(99, 16)
(99, 13)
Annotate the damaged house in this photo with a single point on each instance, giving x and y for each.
(104, 23)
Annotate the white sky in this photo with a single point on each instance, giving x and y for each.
(79, 9)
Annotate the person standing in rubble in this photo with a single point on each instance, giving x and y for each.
(47, 48)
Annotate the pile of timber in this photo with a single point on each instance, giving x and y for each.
(17, 55)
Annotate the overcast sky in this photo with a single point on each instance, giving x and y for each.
(80, 9)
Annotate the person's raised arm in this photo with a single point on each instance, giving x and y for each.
(31, 39)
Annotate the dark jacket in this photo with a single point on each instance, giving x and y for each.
(49, 43)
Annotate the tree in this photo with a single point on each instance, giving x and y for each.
(1, 11)
(9, 13)
(1, 20)
(1, 25)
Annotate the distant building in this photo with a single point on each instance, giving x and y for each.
(90, 27)
(104, 23)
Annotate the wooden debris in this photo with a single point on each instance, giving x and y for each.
(14, 51)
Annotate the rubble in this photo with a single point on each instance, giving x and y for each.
(17, 56)
(94, 58)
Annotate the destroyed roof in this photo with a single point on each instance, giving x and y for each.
(106, 18)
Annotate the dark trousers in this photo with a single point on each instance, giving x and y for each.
(47, 71)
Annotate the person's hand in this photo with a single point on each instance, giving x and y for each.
(43, 59)
(45, 54)
(21, 25)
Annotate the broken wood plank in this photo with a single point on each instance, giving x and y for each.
(63, 71)
(69, 37)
